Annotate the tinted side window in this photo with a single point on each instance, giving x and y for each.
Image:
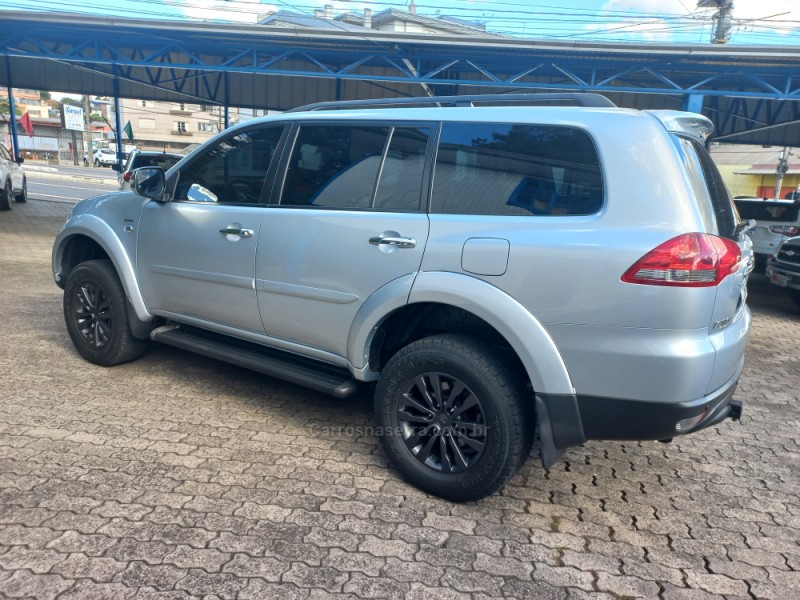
(400, 184)
(516, 169)
(334, 166)
(231, 172)
(714, 191)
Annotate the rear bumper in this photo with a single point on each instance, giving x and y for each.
(790, 271)
(566, 421)
(614, 419)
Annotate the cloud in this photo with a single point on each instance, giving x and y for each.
(649, 7)
(240, 11)
(681, 20)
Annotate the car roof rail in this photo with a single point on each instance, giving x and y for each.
(580, 99)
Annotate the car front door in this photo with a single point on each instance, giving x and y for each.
(196, 253)
(351, 219)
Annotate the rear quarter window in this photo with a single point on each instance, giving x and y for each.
(516, 169)
(713, 198)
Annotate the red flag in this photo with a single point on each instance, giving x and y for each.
(25, 121)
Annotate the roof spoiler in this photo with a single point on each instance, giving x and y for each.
(686, 123)
(578, 99)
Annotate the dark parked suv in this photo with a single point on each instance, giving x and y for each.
(140, 158)
(498, 273)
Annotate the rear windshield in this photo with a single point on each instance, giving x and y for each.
(763, 210)
(714, 199)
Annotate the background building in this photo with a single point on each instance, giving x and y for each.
(753, 170)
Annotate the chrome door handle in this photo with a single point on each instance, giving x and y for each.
(396, 242)
(245, 233)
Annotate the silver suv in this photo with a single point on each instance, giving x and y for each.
(500, 274)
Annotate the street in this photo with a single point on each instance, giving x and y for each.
(67, 183)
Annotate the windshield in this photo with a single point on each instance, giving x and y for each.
(764, 210)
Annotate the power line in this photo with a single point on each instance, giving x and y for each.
(513, 19)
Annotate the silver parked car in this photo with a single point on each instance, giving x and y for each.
(13, 183)
(500, 273)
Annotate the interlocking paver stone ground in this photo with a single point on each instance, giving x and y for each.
(177, 476)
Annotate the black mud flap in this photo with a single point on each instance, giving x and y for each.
(559, 424)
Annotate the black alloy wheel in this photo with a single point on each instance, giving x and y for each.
(443, 422)
(92, 315)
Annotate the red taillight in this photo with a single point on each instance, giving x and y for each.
(127, 176)
(789, 230)
(689, 260)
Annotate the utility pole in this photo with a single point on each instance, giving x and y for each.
(783, 167)
(723, 19)
(87, 115)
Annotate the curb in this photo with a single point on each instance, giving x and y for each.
(39, 169)
(80, 178)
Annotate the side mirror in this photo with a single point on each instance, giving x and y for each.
(116, 167)
(20, 159)
(150, 183)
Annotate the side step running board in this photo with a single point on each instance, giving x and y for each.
(309, 373)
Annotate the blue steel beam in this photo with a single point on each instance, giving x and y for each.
(740, 86)
(766, 91)
(12, 116)
(334, 63)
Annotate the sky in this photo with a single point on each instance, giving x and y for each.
(635, 21)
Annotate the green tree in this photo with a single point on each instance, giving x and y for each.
(5, 108)
(44, 95)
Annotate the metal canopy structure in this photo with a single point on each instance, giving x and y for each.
(751, 93)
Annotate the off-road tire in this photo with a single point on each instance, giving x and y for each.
(6, 196)
(23, 195)
(795, 296)
(446, 362)
(96, 314)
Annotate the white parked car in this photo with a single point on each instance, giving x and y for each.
(12, 179)
(776, 221)
(103, 157)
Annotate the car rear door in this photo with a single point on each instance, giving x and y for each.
(349, 219)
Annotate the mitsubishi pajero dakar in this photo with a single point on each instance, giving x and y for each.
(499, 273)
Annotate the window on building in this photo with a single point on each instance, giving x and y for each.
(204, 126)
(180, 126)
